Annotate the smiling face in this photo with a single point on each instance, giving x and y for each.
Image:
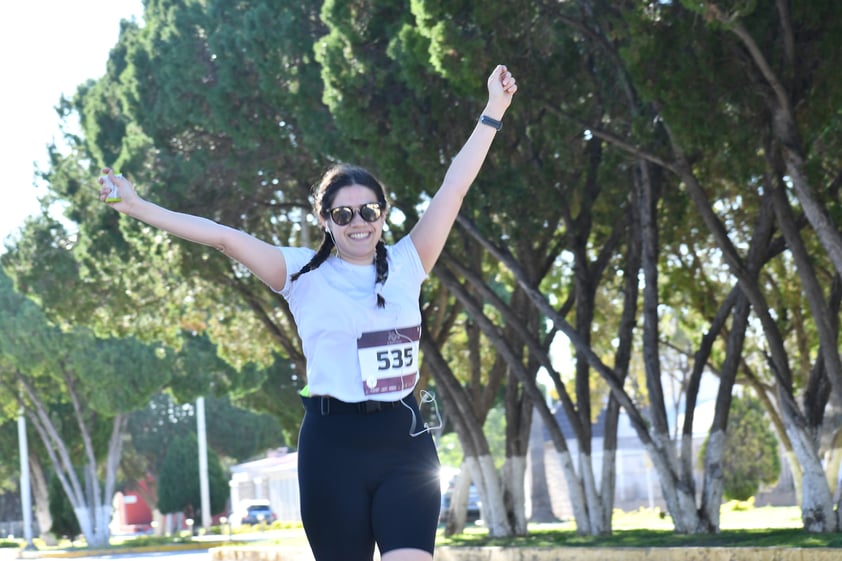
(355, 241)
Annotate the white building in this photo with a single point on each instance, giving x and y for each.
(273, 478)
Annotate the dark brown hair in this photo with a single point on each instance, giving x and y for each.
(334, 179)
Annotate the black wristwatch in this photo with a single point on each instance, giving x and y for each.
(486, 120)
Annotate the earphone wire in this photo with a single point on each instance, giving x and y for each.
(426, 397)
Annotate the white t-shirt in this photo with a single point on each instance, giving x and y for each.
(354, 350)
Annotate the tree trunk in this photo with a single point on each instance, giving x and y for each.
(713, 487)
(474, 444)
(661, 453)
(833, 463)
(541, 508)
(41, 495)
(817, 509)
(681, 500)
(456, 514)
(86, 525)
(90, 502)
(491, 490)
(575, 492)
(514, 477)
(596, 516)
(785, 127)
(609, 463)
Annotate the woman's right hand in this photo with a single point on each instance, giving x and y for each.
(125, 190)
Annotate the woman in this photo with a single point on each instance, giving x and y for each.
(367, 466)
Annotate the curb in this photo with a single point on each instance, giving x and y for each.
(267, 553)
(75, 553)
(487, 553)
(638, 554)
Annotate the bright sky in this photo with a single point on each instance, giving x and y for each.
(47, 48)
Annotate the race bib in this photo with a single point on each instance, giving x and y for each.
(389, 359)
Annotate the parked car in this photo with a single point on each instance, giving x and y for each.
(257, 513)
(474, 510)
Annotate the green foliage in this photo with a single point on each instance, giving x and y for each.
(151, 429)
(751, 456)
(239, 433)
(178, 481)
(209, 108)
(751, 450)
(646, 538)
(450, 450)
(108, 376)
(65, 523)
(230, 110)
(232, 432)
(10, 464)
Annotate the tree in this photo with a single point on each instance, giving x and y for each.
(75, 392)
(751, 450)
(64, 521)
(178, 481)
(161, 289)
(677, 164)
(233, 434)
(683, 97)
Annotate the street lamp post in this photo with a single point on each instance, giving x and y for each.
(25, 488)
(204, 485)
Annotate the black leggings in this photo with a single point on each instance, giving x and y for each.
(363, 478)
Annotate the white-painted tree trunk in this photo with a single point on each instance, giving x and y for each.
(713, 487)
(491, 490)
(86, 524)
(457, 510)
(606, 496)
(832, 464)
(817, 512)
(514, 479)
(595, 513)
(41, 497)
(91, 504)
(680, 499)
(576, 494)
(539, 508)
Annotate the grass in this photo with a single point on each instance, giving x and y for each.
(741, 525)
(651, 538)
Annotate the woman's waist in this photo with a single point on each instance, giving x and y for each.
(329, 405)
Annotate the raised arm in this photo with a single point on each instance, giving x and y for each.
(430, 233)
(262, 259)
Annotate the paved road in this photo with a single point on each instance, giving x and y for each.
(200, 555)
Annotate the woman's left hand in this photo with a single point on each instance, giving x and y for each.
(501, 87)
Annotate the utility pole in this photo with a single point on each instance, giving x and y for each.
(25, 488)
(204, 487)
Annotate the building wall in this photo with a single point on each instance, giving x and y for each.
(275, 478)
(637, 484)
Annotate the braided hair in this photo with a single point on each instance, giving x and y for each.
(337, 177)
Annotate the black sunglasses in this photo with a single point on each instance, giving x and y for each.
(342, 215)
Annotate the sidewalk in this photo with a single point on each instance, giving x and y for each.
(233, 548)
(557, 553)
(219, 552)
